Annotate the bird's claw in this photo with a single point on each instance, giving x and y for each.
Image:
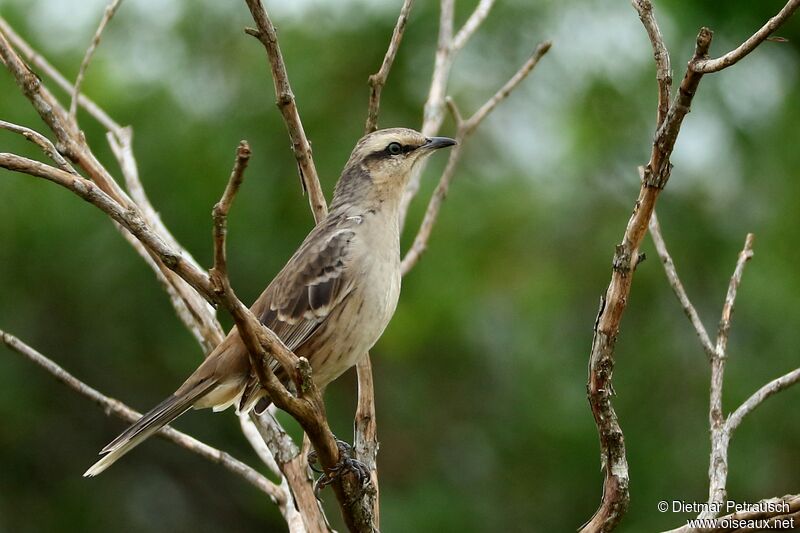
(346, 464)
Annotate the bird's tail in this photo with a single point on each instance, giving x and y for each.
(158, 417)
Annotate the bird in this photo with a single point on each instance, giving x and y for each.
(330, 303)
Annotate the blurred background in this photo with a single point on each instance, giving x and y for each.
(482, 411)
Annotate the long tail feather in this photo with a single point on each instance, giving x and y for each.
(150, 423)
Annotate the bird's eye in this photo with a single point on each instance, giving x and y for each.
(394, 148)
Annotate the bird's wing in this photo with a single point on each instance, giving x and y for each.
(314, 281)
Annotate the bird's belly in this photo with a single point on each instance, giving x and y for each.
(353, 329)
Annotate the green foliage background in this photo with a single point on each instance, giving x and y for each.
(483, 420)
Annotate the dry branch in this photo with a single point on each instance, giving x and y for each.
(42, 142)
(722, 428)
(193, 310)
(433, 110)
(613, 458)
(720, 436)
(119, 409)
(378, 80)
(109, 12)
(471, 25)
(734, 56)
(42, 65)
(773, 387)
(464, 128)
(660, 56)
(266, 33)
(677, 287)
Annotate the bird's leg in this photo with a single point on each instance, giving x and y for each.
(346, 464)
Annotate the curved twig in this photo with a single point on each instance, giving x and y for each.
(378, 80)
(706, 65)
(119, 409)
(111, 9)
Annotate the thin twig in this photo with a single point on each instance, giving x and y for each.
(464, 128)
(378, 80)
(718, 361)
(221, 209)
(420, 243)
(714, 65)
(474, 121)
(720, 436)
(119, 409)
(110, 10)
(198, 316)
(365, 434)
(730, 298)
(660, 56)
(471, 25)
(262, 344)
(193, 310)
(677, 287)
(44, 66)
(773, 387)
(42, 142)
(433, 111)
(69, 141)
(286, 103)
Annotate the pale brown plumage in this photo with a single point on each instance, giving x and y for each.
(331, 301)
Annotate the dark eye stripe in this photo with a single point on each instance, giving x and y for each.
(385, 153)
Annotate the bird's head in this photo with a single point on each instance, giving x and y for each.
(382, 161)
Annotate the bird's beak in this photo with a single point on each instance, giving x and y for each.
(434, 143)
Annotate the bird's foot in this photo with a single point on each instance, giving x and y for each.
(346, 464)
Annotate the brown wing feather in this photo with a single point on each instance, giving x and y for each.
(314, 281)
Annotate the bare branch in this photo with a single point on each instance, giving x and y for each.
(192, 309)
(378, 80)
(660, 55)
(221, 209)
(288, 107)
(69, 141)
(677, 286)
(294, 466)
(434, 205)
(613, 458)
(42, 142)
(730, 298)
(773, 387)
(111, 9)
(474, 121)
(195, 313)
(366, 432)
(119, 409)
(293, 517)
(41, 64)
(433, 112)
(464, 128)
(706, 65)
(720, 436)
(472, 24)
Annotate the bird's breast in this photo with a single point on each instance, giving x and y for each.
(358, 322)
